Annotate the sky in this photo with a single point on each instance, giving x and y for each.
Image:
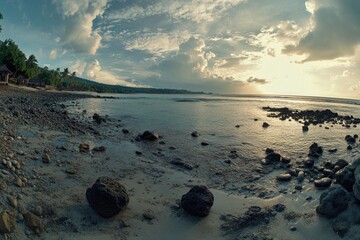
(298, 47)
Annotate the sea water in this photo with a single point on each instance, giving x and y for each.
(215, 117)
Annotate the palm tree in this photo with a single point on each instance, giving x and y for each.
(66, 72)
(31, 62)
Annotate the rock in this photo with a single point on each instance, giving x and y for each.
(195, 134)
(107, 197)
(198, 201)
(98, 119)
(356, 186)
(7, 222)
(323, 182)
(265, 125)
(349, 147)
(46, 158)
(341, 163)
(332, 150)
(285, 160)
(350, 139)
(341, 227)
(268, 151)
(305, 128)
(12, 201)
(315, 150)
(150, 136)
(284, 177)
(273, 157)
(300, 177)
(125, 131)
(279, 207)
(33, 222)
(293, 228)
(19, 182)
(333, 201)
(71, 170)
(138, 153)
(84, 148)
(309, 162)
(148, 215)
(99, 149)
(204, 143)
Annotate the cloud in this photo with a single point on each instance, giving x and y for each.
(335, 30)
(256, 80)
(192, 68)
(53, 54)
(156, 43)
(193, 10)
(78, 67)
(95, 72)
(78, 34)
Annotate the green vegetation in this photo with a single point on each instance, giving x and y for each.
(20, 65)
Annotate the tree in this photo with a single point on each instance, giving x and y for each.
(12, 56)
(32, 69)
(1, 17)
(66, 72)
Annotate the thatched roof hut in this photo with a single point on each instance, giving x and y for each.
(4, 74)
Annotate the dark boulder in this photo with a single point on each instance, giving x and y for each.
(98, 119)
(265, 125)
(107, 197)
(346, 178)
(315, 150)
(333, 201)
(273, 157)
(150, 136)
(198, 201)
(350, 139)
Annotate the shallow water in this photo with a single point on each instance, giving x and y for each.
(215, 118)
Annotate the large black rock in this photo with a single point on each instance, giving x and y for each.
(333, 201)
(150, 136)
(107, 197)
(198, 201)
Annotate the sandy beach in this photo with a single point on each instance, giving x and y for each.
(45, 175)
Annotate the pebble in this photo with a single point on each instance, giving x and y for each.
(293, 228)
(284, 177)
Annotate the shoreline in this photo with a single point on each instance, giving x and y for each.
(154, 183)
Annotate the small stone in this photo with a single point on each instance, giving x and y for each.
(33, 222)
(284, 177)
(323, 182)
(38, 210)
(305, 128)
(12, 201)
(204, 144)
(46, 158)
(195, 134)
(71, 170)
(7, 222)
(265, 125)
(84, 148)
(293, 228)
(99, 149)
(138, 153)
(19, 182)
(300, 177)
(148, 215)
(279, 207)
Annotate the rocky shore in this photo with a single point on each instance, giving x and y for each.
(69, 174)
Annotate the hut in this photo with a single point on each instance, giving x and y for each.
(4, 74)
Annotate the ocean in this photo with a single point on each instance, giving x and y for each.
(174, 117)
